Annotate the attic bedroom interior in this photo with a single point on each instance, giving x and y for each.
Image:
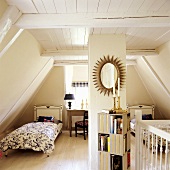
(52, 48)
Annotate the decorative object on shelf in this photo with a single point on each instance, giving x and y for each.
(116, 108)
(69, 97)
(107, 81)
(86, 104)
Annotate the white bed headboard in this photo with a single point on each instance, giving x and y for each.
(146, 109)
(55, 111)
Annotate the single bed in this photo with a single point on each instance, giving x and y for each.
(147, 114)
(38, 135)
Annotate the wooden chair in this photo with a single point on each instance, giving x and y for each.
(83, 124)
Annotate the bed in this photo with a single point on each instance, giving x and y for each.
(147, 114)
(38, 135)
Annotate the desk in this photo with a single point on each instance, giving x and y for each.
(71, 113)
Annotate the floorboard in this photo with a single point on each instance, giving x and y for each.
(69, 154)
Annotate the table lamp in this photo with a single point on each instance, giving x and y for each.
(69, 97)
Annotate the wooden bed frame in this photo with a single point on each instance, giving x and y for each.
(55, 111)
(146, 109)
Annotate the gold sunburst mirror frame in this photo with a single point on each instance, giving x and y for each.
(121, 72)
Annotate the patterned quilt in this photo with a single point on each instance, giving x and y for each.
(39, 136)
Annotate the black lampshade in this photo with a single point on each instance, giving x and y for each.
(69, 97)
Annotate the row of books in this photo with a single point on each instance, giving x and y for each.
(116, 125)
(104, 142)
(113, 124)
(114, 143)
(118, 162)
(114, 162)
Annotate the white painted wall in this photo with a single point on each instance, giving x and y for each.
(51, 92)
(20, 68)
(80, 73)
(100, 45)
(136, 93)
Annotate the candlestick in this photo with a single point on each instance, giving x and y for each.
(118, 107)
(118, 86)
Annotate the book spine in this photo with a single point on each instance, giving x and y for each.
(111, 124)
(128, 159)
(102, 143)
(99, 142)
(108, 143)
(115, 126)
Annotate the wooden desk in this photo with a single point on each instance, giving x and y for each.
(71, 113)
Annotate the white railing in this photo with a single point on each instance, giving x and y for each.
(152, 138)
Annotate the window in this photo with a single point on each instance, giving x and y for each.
(80, 90)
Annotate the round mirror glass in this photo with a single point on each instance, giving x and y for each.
(108, 75)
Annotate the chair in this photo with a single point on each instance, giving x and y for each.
(82, 124)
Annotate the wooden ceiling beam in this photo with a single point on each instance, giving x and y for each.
(144, 52)
(31, 21)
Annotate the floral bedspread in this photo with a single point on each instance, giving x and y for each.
(39, 136)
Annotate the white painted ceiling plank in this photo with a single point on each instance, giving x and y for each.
(81, 6)
(40, 34)
(49, 6)
(46, 44)
(157, 5)
(164, 35)
(67, 37)
(86, 37)
(24, 6)
(66, 33)
(165, 7)
(135, 5)
(114, 5)
(60, 6)
(92, 6)
(146, 5)
(103, 5)
(80, 36)
(60, 37)
(71, 6)
(52, 39)
(124, 6)
(39, 6)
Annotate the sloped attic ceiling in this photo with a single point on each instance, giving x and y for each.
(146, 25)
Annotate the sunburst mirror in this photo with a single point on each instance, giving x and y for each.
(106, 72)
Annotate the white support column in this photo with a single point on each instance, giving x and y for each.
(138, 116)
(99, 46)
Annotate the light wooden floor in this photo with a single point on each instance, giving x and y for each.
(70, 153)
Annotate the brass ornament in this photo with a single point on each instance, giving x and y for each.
(121, 72)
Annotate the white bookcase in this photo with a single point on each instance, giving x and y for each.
(114, 140)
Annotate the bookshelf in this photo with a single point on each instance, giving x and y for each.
(114, 140)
